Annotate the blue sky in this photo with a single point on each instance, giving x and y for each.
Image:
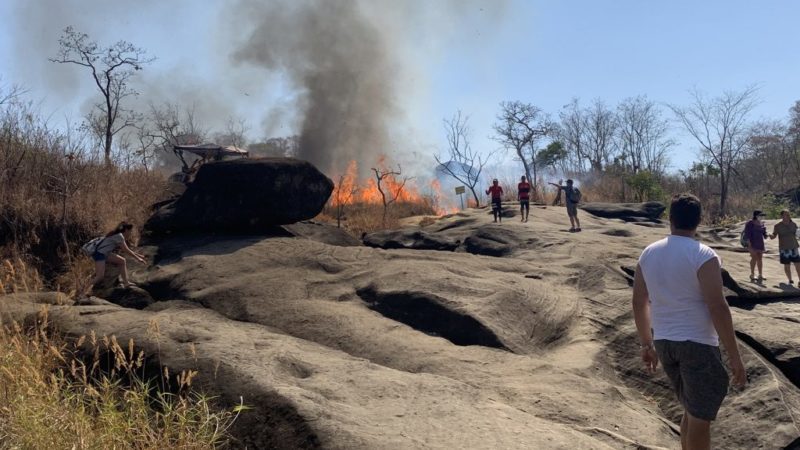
(543, 52)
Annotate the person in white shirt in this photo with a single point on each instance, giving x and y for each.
(681, 315)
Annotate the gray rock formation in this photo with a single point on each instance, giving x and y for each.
(629, 212)
(347, 346)
(248, 195)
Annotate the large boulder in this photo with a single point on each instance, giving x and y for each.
(247, 195)
(629, 212)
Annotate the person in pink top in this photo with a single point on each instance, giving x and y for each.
(755, 232)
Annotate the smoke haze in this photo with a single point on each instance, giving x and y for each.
(343, 68)
(339, 73)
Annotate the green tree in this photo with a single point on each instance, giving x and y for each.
(645, 186)
(551, 155)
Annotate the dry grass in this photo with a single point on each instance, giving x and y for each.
(91, 392)
(362, 218)
(16, 276)
(56, 193)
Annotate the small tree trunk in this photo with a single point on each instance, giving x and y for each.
(723, 193)
(475, 195)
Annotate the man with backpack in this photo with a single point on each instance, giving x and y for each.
(572, 196)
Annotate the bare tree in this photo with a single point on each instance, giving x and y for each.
(171, 127)
(770, 159)
(464, 164)
(601, 129)
(519, 127)
(643, 135)
(65, 177)
(235, 130)
(343, 196)
(793, 133)
(112, 68)
(572, 134)
(394, 189)
(10, 93)
(276, 146)
(720, 126)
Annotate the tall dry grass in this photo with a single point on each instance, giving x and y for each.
(56, 192)
(92, 392)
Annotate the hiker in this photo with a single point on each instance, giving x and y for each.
(103, 250)
(497, 200)
(786, 232)
(681, 315)
(523, 195)
(572, 196)
(754, 233)
(557, 199)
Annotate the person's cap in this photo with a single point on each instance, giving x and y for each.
(758, 213)
(569, 181)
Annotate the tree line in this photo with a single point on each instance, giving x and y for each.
(626, 149)
(627, 145)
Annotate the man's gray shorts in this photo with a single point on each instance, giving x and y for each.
(697, 375)
(572, 209)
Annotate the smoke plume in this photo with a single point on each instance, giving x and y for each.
(341, 74)
(341, 64)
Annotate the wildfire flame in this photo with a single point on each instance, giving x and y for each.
(349, 190)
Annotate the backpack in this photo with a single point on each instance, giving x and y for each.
(576, 195)
(91, 247)
(743, 240)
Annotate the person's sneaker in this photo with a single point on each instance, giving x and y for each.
(572, 230)
(752, 278)
(791, 282)
(577, 230)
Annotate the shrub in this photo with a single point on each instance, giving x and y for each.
(645, 186)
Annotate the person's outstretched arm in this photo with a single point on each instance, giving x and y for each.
(135, 255)
(710, 277)
(641, 314)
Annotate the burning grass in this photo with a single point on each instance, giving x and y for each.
(54, 392)
(379, 202)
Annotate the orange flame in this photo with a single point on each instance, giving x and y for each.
(443, 205)
(349, 190)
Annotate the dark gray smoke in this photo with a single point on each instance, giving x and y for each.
(343, 67)
(342, 74)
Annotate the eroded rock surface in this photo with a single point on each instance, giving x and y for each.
(629, 212)
(340, 346)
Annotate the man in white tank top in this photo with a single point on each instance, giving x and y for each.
(681, 315)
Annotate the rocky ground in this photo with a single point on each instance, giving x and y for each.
(458, 334)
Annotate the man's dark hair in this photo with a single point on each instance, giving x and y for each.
(569, 181)
(685, 212)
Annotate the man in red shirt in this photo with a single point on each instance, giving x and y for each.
(497, 200)
(523, 195)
